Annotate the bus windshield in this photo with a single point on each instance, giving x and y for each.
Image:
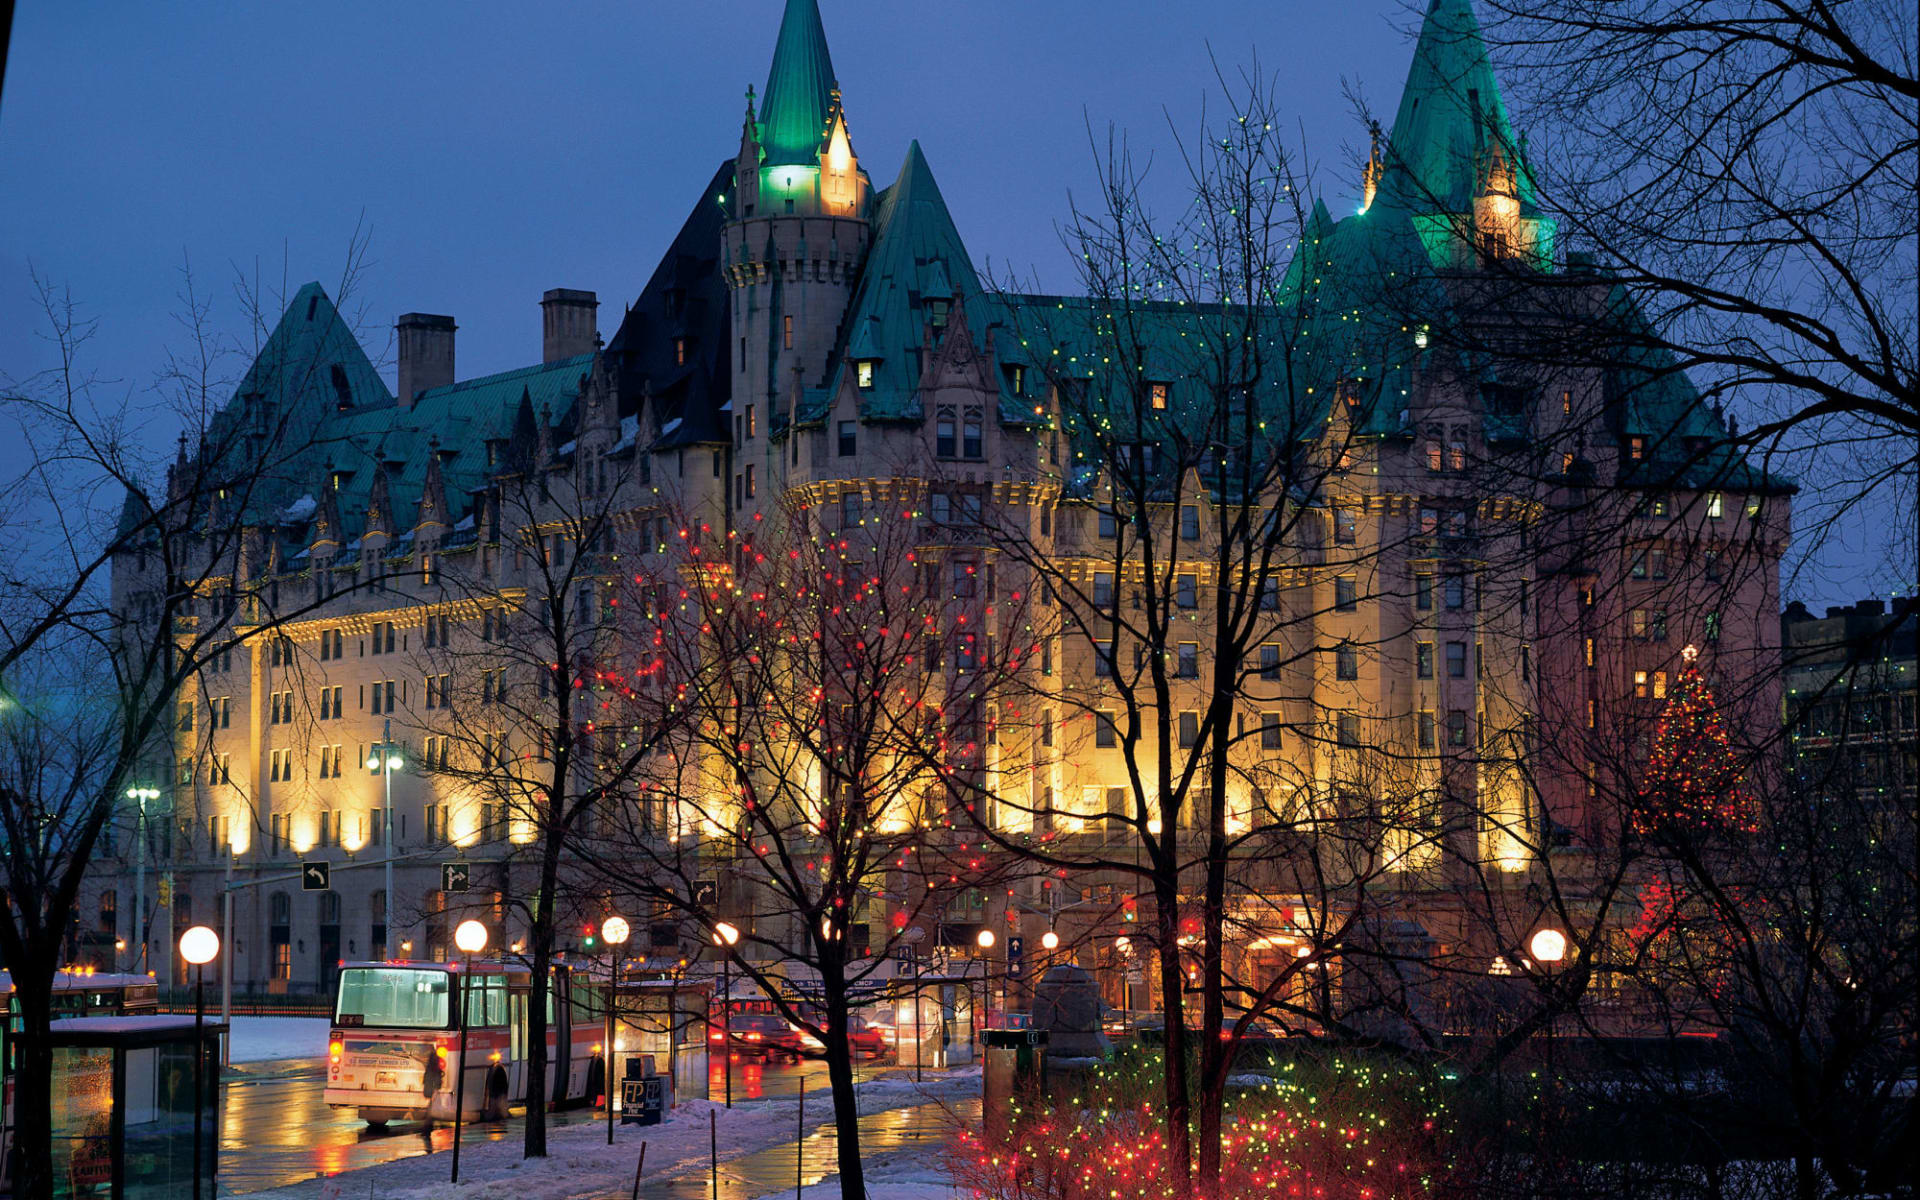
(393, 998)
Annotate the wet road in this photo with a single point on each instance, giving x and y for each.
(279, 1130)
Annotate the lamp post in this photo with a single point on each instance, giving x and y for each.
(985, 940)
(1548, 947)
(726, 937)
(385, 758)
(471, 938)
(199, 946)
(614, 931)
(140, 795)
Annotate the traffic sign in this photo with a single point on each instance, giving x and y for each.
(314, 876)
(456, 876)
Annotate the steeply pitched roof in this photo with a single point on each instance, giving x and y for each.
(917, 256)
(799, 95)
(1451, 115)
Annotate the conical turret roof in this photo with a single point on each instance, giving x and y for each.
(1452, 118)
(799, 95)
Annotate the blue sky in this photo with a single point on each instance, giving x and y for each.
(494, 150)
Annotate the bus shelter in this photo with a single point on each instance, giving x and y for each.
(124, 1107)
(932, 1019)
(666, 1019)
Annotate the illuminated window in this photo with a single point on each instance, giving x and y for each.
(786, 333)
(863, 374)
(1423, 660)
(1636, 448)
(1715, 503)
(680, 352)
(1157, 394)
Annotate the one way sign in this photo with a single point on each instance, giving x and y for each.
(314, 876)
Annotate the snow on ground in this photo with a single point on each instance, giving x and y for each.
(580, 1166)
(266, 1039)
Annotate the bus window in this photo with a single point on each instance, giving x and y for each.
(586, 1002)
(486, 1001)
(393, 998)
(517, 1031)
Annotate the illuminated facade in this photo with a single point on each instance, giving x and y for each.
(1457, 648)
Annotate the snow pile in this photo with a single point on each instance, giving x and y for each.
(270, 1039)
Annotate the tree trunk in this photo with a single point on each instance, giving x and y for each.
(846, 1102)
(33, 1083)
(539, 1065)
(1215, 1054)
(1173, 1004)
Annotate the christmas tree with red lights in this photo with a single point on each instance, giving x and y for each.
(1694, 782)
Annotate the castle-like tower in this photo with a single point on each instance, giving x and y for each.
(794, 245)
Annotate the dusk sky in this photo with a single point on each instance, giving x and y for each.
(494, 150)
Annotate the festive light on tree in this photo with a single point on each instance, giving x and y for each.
(1693, 779)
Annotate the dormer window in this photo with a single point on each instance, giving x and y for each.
(863, 374)
(679, 352)
(937, 312)
(1157, 395)
(1636, 448)
(1016, 378)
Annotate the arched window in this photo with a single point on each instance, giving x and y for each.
(945, 442)
(972, 443)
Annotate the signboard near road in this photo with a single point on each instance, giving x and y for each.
(456, 876)
(315, 876)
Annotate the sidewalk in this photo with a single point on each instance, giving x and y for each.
(756, 1139)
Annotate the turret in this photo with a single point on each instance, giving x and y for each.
(799, 234)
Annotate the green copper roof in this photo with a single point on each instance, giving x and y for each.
(917, 257)
(1451, 115)
(799, 95)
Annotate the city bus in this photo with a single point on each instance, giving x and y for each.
(394, 1051)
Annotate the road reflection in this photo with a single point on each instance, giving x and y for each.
(279, 1131)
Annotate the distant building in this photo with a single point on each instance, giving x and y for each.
(1851, 680)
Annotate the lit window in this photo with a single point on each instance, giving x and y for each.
(1636, 448)
(679, 352)
(863, 374)
(1715, 504)
(786, 333)
(1157, 394)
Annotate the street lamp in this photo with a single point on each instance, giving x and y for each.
(1548, 947)
(985, 939)
(726, 937)
(386, 759)
(614, 931)
(471, 938)
(199, 946)
(140, 795)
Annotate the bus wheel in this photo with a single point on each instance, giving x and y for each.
(596, 1082)
(496, 1106)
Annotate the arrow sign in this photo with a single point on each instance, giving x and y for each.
(456, 876)
(314, 876)
(1016, 956)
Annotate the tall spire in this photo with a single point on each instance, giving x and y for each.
(799, 98)
(1452, 117)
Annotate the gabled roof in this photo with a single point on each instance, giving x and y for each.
(1451, 116)
(799, 95)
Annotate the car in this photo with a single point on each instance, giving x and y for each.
(759, 1035)
(867, 1038)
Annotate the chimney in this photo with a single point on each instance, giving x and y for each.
(426, 353)
(567, 326)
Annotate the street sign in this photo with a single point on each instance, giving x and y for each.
(314, 876)
(1016, 956)
(456, 876)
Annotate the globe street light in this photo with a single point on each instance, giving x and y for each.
(199, 946)
(1548, 947)
(726, 937)
(386, 759)
(614, 931)
(985, 940)
(471, 938)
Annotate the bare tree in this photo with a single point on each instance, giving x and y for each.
(1744, 172)
(137, 589)
(538, 711)
(794, 801)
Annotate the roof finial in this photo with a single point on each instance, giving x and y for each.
(1370, 175)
